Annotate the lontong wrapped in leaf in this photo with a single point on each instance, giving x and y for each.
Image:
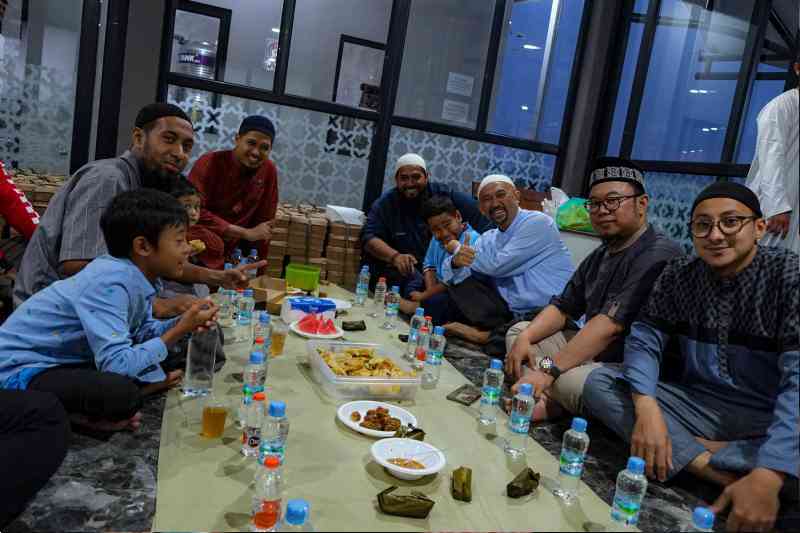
(526, 482)
(462, 484)
(414, 505)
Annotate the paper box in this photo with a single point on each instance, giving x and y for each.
(269, 290)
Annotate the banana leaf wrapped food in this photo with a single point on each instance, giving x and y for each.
(525, 483)
(413, 505)
(462, 484)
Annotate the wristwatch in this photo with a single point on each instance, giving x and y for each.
(548, 366)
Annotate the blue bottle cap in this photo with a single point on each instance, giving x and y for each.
(256, 358)
(636, 465)
(526, 389)
(703, 518)
(395, 288)
(419, 312)
(496, 364)
(438, 330)
(296, 512)
(365, 268)
(253, 251)
(248, 293)
(264, 317)
(579, 424)
(228, 266)
(237, 251)
(277, 408)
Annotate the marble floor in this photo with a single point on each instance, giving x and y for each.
(110, 484)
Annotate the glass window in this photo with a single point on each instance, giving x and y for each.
(625, 87)
(684, 115)
(458, 162)
(443, 61)
(38, 74)
(321, 158)
(252, 49)
(761, 92)
(534, 68)
(335, 52)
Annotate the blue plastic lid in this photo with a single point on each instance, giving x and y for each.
(256, 358)
(306, 304)
(365, 268)
(419, 312)
(579, 424)
(636, 465)
(296, 512)
(248, 293)
(438, 330)
(395, 288)
(264, 317)
(703, 518)
(237, 251)
(277, 408)
(228, 266)
(526, 389)
(496, 364)
(253, 251)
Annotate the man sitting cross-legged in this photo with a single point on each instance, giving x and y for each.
(733, 416)
(91, 339)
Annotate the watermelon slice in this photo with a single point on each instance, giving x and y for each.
(327, 328)
(309, 324)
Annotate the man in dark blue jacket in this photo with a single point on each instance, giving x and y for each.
(396, 236)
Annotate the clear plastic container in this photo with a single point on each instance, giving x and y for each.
(360, 388)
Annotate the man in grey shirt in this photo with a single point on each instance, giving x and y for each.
(69, 236)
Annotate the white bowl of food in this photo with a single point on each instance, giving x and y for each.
(408, 459)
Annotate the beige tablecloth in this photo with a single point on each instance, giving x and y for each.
(206, 484)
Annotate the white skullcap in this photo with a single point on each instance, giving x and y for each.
(410, 160)
(494, 178)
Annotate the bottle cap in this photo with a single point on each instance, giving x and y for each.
(424, 329)
(259, 340)
(237, 251)
(703, 518)
(428, 318)
(496, 364)
(438, 330)
(579, 424)
(381, 280)
(272, 461)
(259, 397)
(228, 266)
(395, 288)
(636, 465)
(264, 317)
(253, 251)
(365, 268)
(420, 354)
(526, 389)
(277, 408)
(240, 291)
(419, 312)
(296, 512)
(248, 293)
(256, 358)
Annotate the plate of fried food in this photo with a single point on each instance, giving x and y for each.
(374, 419)
(362, 362)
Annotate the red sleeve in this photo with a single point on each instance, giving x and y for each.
(202, 175)
(15, 207)
(269, 204)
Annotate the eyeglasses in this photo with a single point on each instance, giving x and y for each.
(730, 225)
(611, 204)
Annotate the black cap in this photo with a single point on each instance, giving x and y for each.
(258, 123)
(152, 112)
(616, 169)
(733, 190)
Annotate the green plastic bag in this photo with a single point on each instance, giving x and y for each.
(573, 215)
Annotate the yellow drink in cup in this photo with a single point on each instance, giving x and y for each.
(279, 332)
(214, 415)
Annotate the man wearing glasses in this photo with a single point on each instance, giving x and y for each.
(732, 418)
(607, 290)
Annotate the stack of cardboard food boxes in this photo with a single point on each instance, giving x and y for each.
(344, 254)
(38, 187)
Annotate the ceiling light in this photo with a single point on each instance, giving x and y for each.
(524, 108)
(530, 47)
(706, 130)
(276, 30)
(694, 91)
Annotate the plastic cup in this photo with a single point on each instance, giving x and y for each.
(215, 412)
(279, 332)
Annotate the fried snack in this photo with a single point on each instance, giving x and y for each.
(414, 505)
(406, 463)
(378, 419)
(198, 246)
(361, 362)
(525, 483)
(355, 416)
(462, 484)
(409, 432)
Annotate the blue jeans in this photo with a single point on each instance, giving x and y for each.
(688, 414)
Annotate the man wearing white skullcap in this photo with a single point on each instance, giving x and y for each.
(525, 256)
(396, 236)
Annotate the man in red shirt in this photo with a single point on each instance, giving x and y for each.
(240, 193)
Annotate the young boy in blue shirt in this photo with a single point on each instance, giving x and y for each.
(447, 228)
(91, 339)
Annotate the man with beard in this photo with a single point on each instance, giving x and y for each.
(69, 236)
(524, 258)
(239, 188)
(608, 289)
(396, 235)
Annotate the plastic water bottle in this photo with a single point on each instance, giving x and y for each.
(490, 393)
(702, 520)
(274, 432)
(631, 487)
(573, 454)
(392, 308)
(236, 295)
(253, 379)
(417, 321)
(266, 512)
(429, 323)
(251, 260)
(236, 257)
(433, 360)
(520, 421)
(296, 518)
(379, 298)
(421, 353)
(263, 328)
(362, 288)
(244, 318)
(253, 419)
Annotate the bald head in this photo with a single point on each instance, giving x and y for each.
(499, 201)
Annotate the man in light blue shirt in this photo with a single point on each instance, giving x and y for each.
(525, 256)
(91, 339)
